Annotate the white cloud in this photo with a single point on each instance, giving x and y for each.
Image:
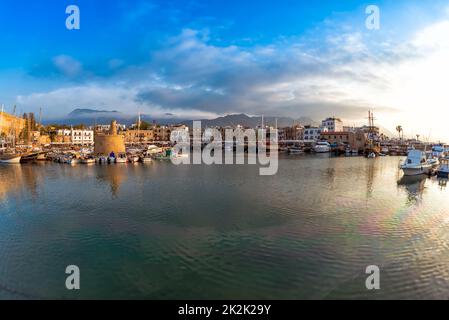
(67, 65)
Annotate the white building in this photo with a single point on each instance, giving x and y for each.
(78, 137)
(83, 137)
(312, 134)
(333, 124)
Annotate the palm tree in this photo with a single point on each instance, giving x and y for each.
(417, 137)
(399, 130)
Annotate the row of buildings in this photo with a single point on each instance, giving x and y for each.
(86, 137)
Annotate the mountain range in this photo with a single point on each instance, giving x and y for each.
(90, 116)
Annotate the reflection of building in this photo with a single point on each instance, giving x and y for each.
(111, 142)
(11, 125)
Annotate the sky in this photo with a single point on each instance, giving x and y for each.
(202, 59)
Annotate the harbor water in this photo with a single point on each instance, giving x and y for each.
(160, 231)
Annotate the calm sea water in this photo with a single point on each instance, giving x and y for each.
(216, 232)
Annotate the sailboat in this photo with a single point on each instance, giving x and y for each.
(6, 158)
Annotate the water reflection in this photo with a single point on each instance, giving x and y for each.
(414, 185)
(17, 178)
(114, 175)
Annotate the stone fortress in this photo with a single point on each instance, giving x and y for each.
(111, 142)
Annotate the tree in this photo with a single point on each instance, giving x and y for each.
(399, 130)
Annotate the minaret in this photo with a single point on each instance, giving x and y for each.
(113, 129)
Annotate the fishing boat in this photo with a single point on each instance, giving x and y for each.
(295, 150)
(443, 169)
(322, 147)
(146, 159)
(88, 160)
(121, 158)
(416, 163)
(10, 159)
(133, 158)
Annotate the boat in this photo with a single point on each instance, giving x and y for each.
(443, 169)
(153, 150)
(133, 158)
(121, 158)
(416, 164)
(295, 150)
(372, 155)
(88, 160)
(10, 158)
(147, 159)
(438, 151)
(322, 147)
(111, 158)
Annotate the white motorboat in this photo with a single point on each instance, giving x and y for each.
(121, 158)
(10, 159)
(133, 158)
(295, 150)
(416, 163)
(147, 159)
(89, 160)
(322, 147)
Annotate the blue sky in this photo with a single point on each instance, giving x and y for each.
(199, 59)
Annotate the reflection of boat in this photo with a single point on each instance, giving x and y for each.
(10, 158)
(413, 184)
(322, 147)
(443, 170)
(416, 163)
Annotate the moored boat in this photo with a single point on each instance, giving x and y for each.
(322, 147)
(416, 163)
(443, 169)
(10, 159)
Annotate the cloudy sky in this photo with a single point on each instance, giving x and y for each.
(201, 59)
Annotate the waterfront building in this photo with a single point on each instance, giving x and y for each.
(105, 128)
(137, 136)
(355, 140)
(332, 124)
(82, 137)
(294, 133)
(110, 142)
(313, 134)
(74, 136)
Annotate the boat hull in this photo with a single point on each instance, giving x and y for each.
(416, 171)
(13, 160)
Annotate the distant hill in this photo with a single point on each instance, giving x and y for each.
(91, 116)
(252, 122)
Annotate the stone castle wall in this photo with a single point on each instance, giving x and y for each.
(105, 144)
(10, 124)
